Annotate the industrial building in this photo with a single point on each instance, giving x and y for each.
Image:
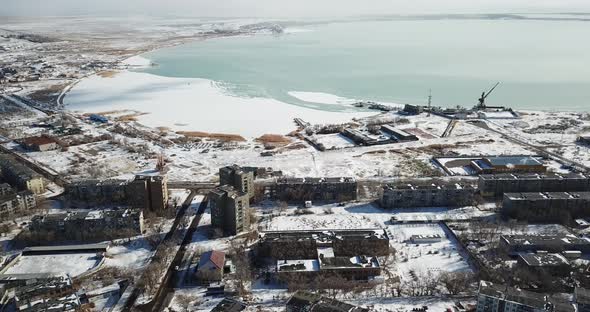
(92, 225)
(336, 189)
(512, 164)
(495, 185)
(39, 143)
(20, 176)
(501, 298)
(426, 194)
(229, 209)
(543, 262)
(515, 244)
(399, 134)
(363, 139)
(546, 207)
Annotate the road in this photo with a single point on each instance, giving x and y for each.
(180, 261)
(169, 280)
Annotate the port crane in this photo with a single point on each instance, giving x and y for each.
(484, 95)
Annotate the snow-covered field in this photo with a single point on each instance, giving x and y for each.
(190, 104)
(328, 221)
(72, 264)
(420, 260)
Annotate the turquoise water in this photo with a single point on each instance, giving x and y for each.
(542, 65)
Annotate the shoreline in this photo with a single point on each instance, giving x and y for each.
(127, 69)
(280, 108)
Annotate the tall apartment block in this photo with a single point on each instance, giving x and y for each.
(229, 208)
(242, 180)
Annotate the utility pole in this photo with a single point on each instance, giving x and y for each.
(429, 101)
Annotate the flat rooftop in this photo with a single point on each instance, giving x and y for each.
(534, 176)
(547, 195)
(427, 186)
(556, 240)
(513, 160)
(543, 260)
(316, 180)
(324, 235)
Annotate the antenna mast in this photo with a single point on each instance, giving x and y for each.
(429, 101)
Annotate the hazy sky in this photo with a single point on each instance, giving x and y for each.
(281, 8)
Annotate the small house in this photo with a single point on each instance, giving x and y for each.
(211, 266)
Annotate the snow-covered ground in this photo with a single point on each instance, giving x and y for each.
(430, 259)
(72, 264)
(133, 255)
(190, 104)
(320, 221)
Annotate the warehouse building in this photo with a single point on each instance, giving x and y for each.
(512, 164)
(39, 143)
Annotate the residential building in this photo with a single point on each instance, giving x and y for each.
(91, 225)
(240, 178)
(229, 209)
(211, 266)
(336, 189)
(495, 185)
(11, 203)
(5, 189)
(144, 191)
(350, 254)
(39, 143)
(305, 243)
(515, 244)
(19, 175)
(39, 292)
(501, 298)
(426, 194)
(304, 301)
(148, 192)
(546, 207)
